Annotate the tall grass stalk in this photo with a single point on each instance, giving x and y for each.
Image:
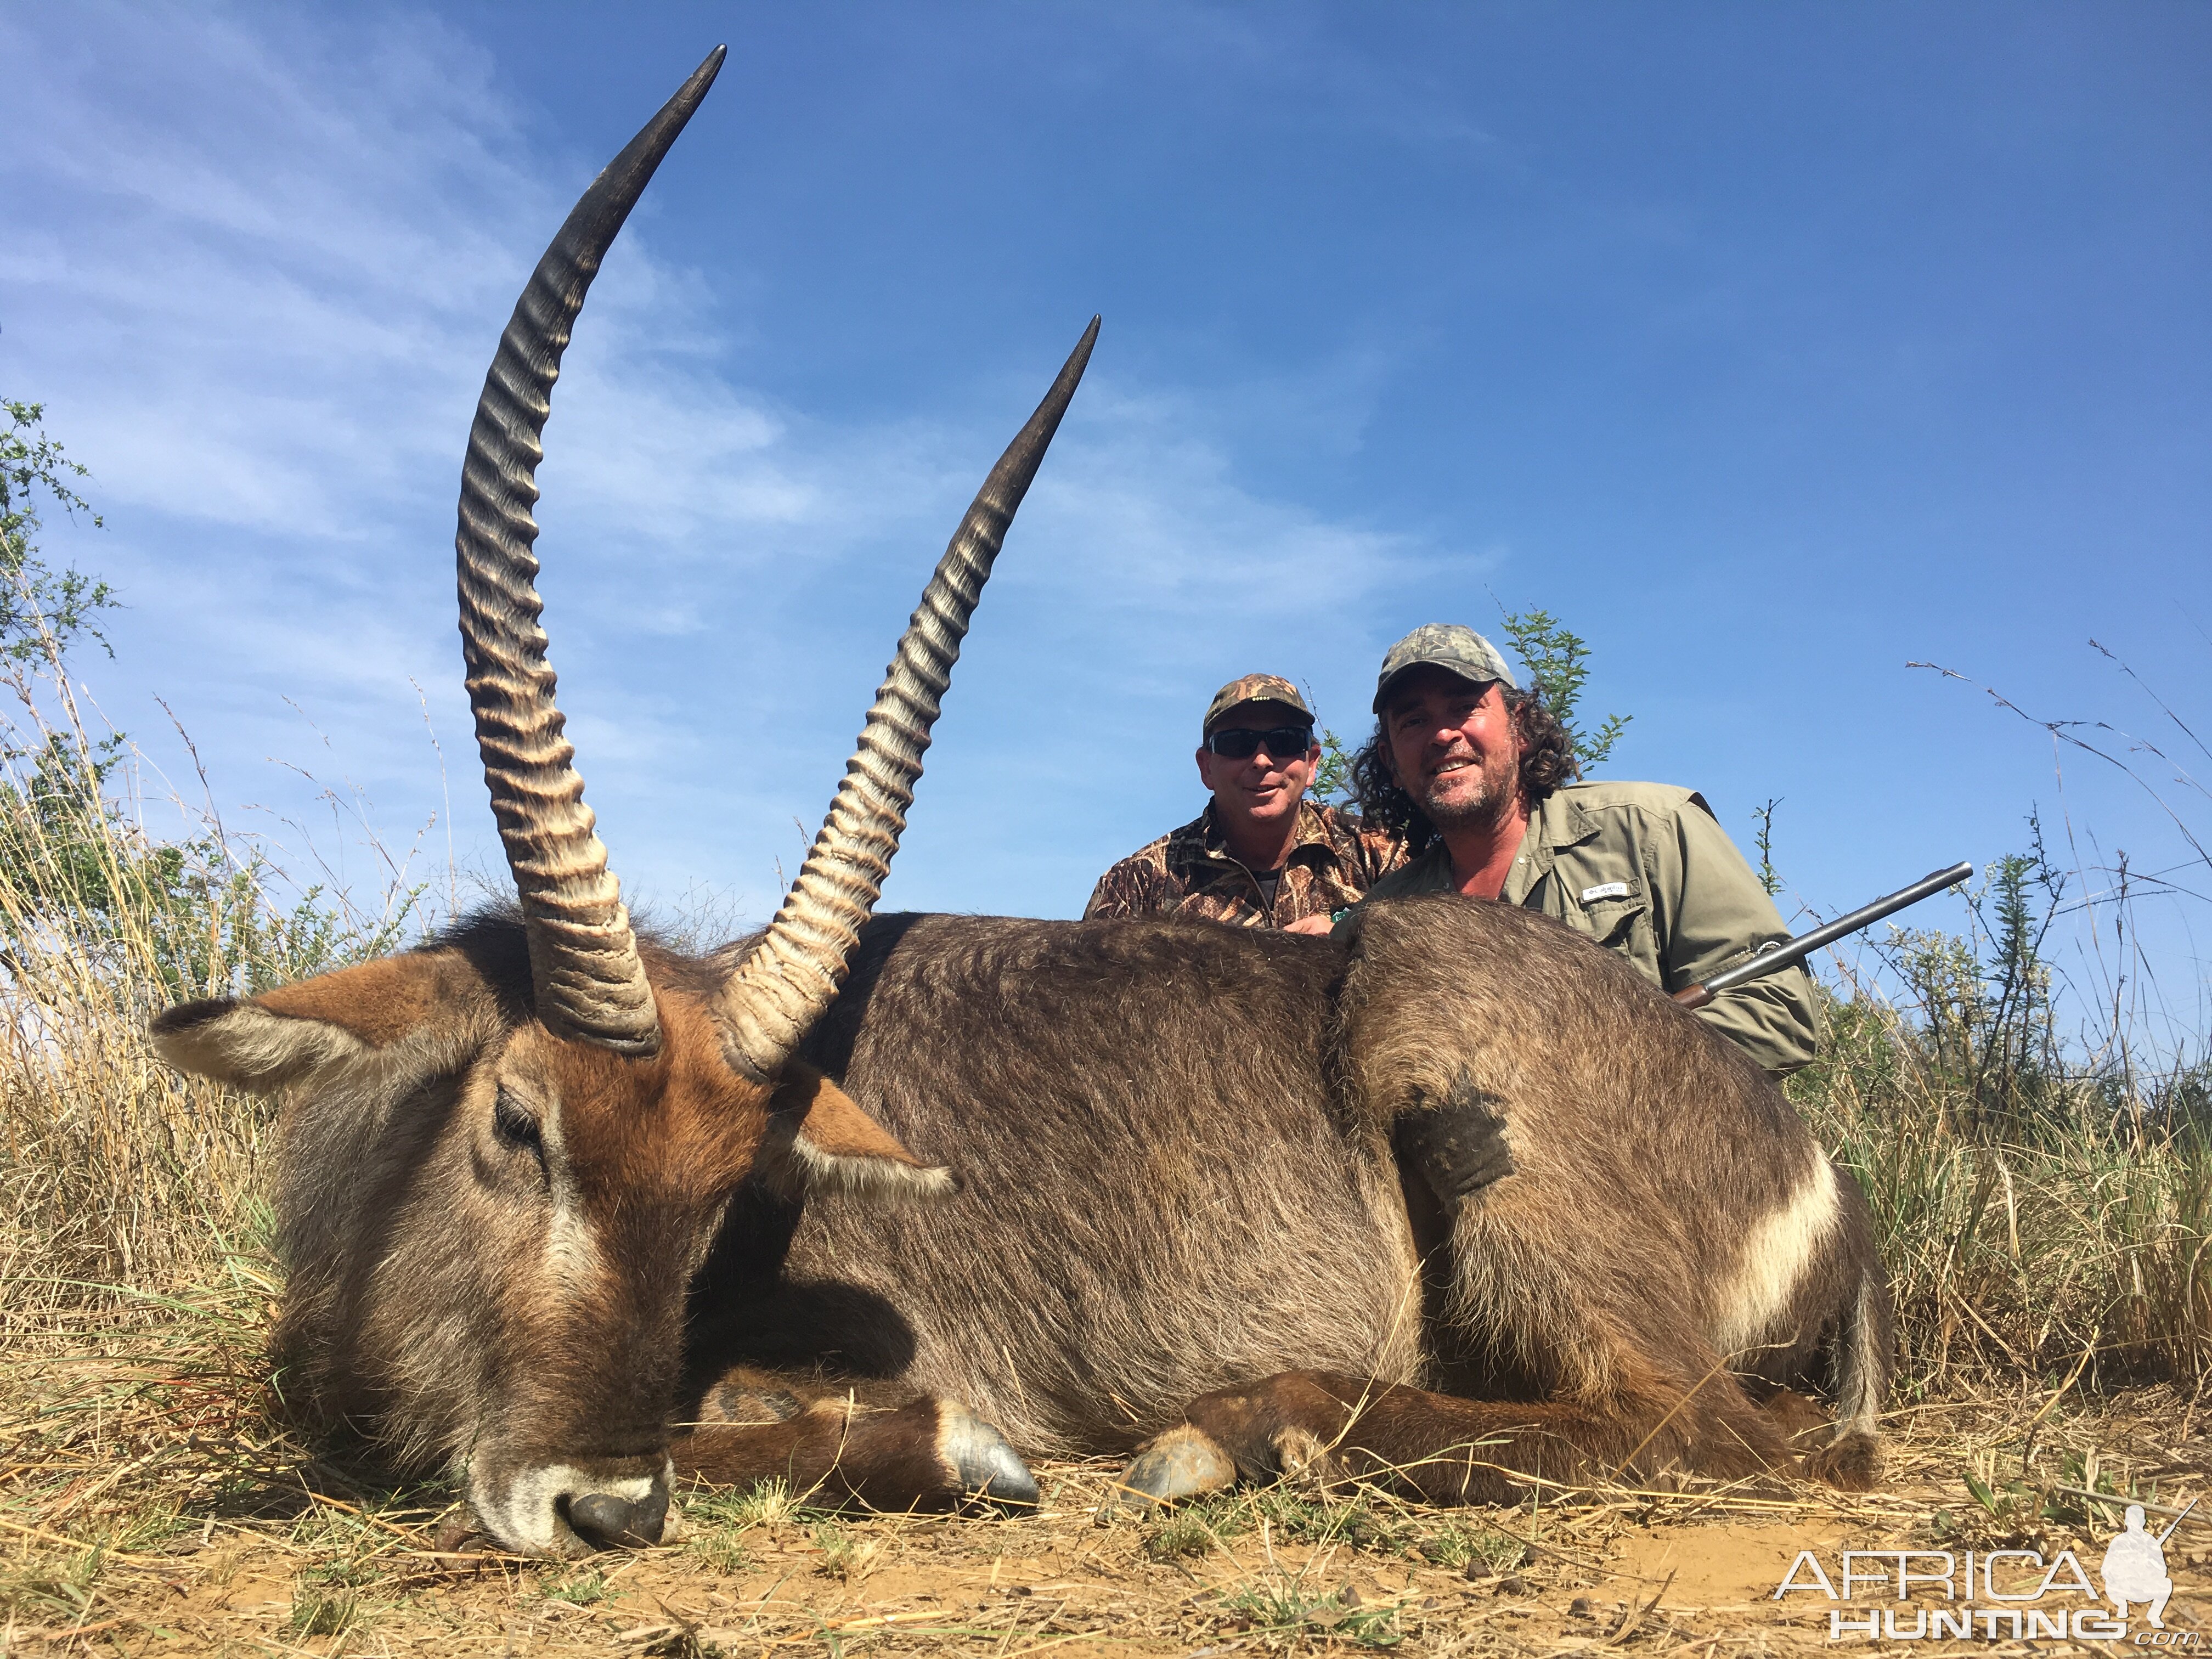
(120, 1178)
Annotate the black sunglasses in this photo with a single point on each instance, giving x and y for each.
(1242, 743)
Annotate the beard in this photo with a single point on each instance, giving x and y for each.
(1464, 808)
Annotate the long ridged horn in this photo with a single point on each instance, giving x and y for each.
(584, 962)
(792, 975)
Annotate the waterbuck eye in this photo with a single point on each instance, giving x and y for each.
(515, 1125)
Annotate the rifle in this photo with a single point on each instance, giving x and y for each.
(1784, 952)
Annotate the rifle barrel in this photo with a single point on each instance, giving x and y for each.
(1796, 949)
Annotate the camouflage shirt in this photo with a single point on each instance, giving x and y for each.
(1190, 871)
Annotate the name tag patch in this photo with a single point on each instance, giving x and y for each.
(1605, 889)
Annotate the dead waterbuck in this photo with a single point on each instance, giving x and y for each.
(867, 1205)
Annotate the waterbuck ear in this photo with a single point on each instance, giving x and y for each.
(266, 1041)
(821, 1140)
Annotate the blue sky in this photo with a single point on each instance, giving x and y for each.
(1772, 348)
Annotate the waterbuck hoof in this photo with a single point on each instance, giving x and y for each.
(1184, 1463)
(986, 1467)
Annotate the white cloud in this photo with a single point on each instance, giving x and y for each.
(256, 252)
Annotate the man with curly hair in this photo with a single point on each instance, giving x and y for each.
(1478, 776)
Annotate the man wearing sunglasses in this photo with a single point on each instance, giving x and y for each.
(1480, 779)
(1261, 855)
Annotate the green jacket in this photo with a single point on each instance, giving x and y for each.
(1645, 870)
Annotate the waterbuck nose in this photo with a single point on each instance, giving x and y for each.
(606, 1522)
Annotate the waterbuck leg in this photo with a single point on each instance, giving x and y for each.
(1329, 1427)
(930, 1453)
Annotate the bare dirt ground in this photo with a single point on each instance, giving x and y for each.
(147, 1511)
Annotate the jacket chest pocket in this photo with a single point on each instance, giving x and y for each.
(1606, 910)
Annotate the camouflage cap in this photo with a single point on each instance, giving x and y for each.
(1253, 687)
(1448, 646)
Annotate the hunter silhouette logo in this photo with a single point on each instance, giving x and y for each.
(2134, 1569)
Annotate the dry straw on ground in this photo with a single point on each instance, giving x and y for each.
(155, 1504)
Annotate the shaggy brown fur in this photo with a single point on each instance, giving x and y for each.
(1173, 1144)
(1153, 1183)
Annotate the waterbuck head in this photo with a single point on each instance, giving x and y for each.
(506, 1153)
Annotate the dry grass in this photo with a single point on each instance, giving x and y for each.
(154, 1504)
(2066, 1237)
(120, 1177)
